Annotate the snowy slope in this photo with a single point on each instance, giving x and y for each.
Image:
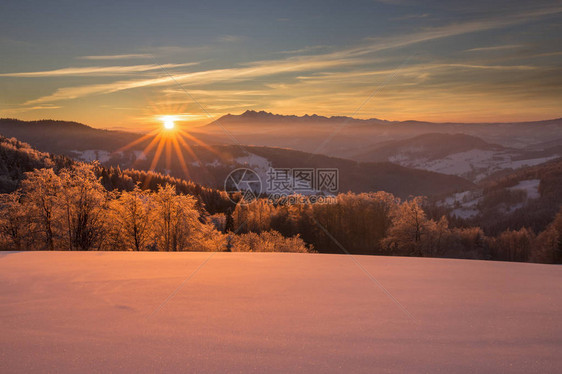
(530, 186)
(254, 313)
(466, 204)
(474, 165)
(458, 154)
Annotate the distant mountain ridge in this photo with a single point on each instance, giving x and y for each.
(265, 115)
(347, 135)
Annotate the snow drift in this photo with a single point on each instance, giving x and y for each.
(273, 312)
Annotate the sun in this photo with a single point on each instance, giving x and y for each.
(169, 122)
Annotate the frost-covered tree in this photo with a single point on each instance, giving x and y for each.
(512, 245)
(83, 200)
(268, 241)
(41, 192)
(177, 224)
(410, 226)
(14, 223)
(437, 238)
(547, 246)
(129, 224)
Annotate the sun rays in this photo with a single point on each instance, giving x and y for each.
(169, 147)
(169, 143)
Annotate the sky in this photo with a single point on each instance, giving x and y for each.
(122, 65)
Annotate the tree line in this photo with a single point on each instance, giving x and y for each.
(379, 223)
(56, 203)
(72, 210)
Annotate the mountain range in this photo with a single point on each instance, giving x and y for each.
(347, 134)
(474, 151)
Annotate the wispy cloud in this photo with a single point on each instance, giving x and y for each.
(178, 117)
(302, 50)
(495, 48)
(14, 42)
(24, 109)
(96, 70)
(411, 16)
(230, 38)
(116, 57)
(455, 29)
(249, 71)
(299, 64)
(411, 70)
(177, 49)
(212, 92)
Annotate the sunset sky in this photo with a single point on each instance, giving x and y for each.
(122, 64)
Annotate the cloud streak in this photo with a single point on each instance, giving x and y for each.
(95, 70)
(495, 48)
(380, 44)
(249, 71)
(298, 64)
(116, 57)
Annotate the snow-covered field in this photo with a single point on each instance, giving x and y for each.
(465, 203)
(92, 155)
(474, 165)
(271, 312)
(530, 186)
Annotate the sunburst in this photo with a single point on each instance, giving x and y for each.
(169, 122)
(170, 142)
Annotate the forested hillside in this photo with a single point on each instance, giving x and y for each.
(62, 204)
(17, 158)
(61, 136)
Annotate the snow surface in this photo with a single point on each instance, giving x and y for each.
(102, 156)
(530, 186)
(532, 162)
(465, 213)
(465, 203)
(275, 313)
(90, 155)
(255, 161)
(139, 155)
(457, 163)
(466, 198)
(475, 164)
